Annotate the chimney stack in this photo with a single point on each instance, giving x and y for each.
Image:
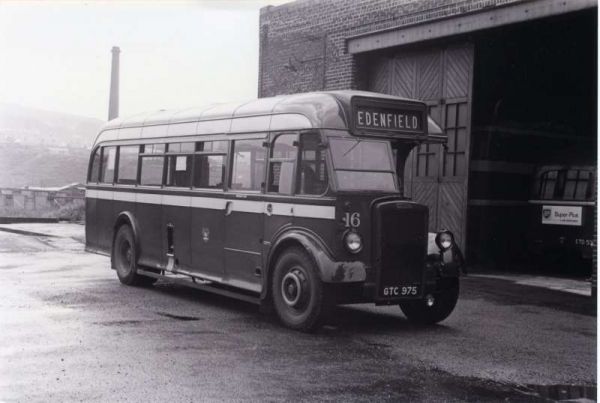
(113, 102)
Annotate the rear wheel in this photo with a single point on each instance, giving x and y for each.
(298, 292)
(125, 258)
(444, 302)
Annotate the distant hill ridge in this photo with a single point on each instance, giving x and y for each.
(43, 148)
(24, 125)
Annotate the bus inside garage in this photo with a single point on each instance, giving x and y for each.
(515, 182)
(534, 146)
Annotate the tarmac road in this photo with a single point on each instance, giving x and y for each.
(69, 331)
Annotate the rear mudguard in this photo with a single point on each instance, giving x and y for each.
(125, 217)
(330, 271)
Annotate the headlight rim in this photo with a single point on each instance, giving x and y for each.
(439, 243)
(345, 241)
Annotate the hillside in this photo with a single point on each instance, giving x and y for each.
(43, 148)
(24, 125)
(28, 165)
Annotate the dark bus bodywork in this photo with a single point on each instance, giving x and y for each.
(293, 199)
(562, 217)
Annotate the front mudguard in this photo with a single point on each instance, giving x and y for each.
(444, 264)
(330, 271)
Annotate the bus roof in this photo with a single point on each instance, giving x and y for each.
(322, 110)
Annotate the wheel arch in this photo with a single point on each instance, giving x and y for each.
(289, 239)
(330, 270)
(125, 218)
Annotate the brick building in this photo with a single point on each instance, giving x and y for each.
(512, 82)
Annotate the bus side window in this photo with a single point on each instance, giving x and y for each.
(209, 164)
(577, 185)
(128, 163)
(109, 157)
(179, 170)
(547, 185)
(95, 168)
(152, 164)
(313, 171)
(179, 166)
(248, 169)
(282, 164)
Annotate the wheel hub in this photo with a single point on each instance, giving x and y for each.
(292, 287)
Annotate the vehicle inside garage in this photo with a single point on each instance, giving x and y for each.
(533, 144)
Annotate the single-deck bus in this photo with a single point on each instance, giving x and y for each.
(293, 200)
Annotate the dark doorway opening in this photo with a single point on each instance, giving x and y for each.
(534, 106)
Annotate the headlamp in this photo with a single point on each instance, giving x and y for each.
(353, 242)
(444, 240)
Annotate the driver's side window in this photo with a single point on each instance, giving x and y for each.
(312, 178)
(282, 164)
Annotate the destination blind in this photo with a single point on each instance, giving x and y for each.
(366, 117)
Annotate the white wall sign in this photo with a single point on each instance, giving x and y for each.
(561, 215)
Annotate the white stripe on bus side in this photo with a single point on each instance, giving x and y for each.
(246, 206)
(124, 196)
(306, 210)
(209, 203)
(149, 198)
(181, 201)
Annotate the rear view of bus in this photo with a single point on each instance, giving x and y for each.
(295, 201)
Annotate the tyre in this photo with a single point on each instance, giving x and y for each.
(125, 258)
(298, 292)
(445, 299)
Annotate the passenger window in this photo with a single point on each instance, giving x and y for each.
(282, 164)
(217, 147)
(313, 170)
(154, 148)
(109, 156)
(577, 185)
(209, 164)
(179, 170)
(128, 162)
(547, 185)
(152, 171)
(95, 168)
(182, 147)
(248, 169)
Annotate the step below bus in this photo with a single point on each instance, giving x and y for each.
(293, 202)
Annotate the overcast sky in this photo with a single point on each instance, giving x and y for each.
(56, 55)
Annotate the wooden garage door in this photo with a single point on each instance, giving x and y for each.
(435, 176)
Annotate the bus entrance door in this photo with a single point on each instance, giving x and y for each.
(244, 216)
(242, 251)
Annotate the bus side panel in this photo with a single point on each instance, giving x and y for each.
(243, 232)
(91, 230)
(119, 206)
(324, 228)
(148, 217)
(105, 220)
(208, 231)
(274, 224)
(180, 217)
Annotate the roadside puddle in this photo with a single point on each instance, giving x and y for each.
(178, 317)
(564, 392)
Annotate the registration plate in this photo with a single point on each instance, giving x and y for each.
(401, 291)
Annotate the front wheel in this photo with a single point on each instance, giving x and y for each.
(298, 293)
(444, 302)
(125, 258)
